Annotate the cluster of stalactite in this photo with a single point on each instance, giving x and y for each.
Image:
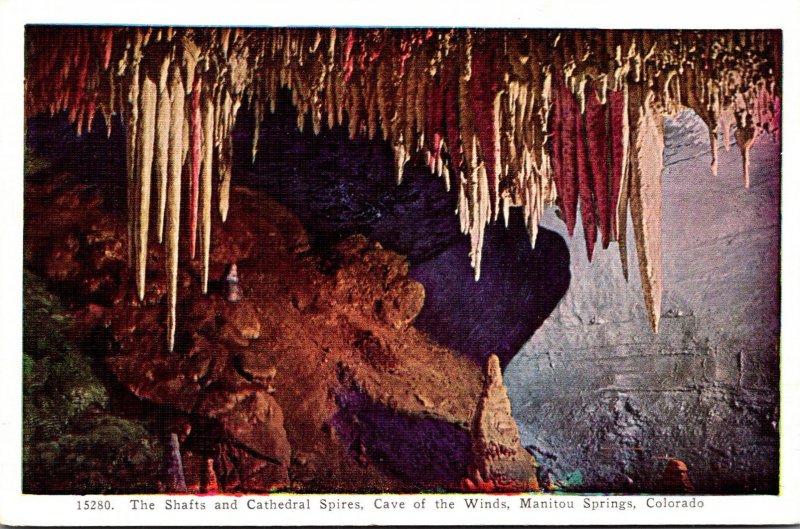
(522, 118)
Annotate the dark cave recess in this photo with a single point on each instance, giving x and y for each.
(339, 187)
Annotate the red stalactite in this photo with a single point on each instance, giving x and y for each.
(585, 184)
(450, 85)
(616, 106)
(108, 44)
(569, 176)
(484, 88)
(597, 144)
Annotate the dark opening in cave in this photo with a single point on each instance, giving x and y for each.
(339, 187)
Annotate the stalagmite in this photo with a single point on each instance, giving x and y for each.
(173, 214)
(516, 118)
(144, 163)
(499, 462)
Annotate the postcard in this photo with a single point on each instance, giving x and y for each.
(344, 267)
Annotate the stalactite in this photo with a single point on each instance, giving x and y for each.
(173, 215)
(597, 136)
(567, 184)
(132, 120)
(206, 185)
(585, 184)
(194, 182)
(224, 141)
(620, 141)
(646, 164)
(163, 111)
(145, 138)
(516, 118)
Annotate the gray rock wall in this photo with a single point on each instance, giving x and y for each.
(602, 401)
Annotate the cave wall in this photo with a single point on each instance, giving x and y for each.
(601, 400)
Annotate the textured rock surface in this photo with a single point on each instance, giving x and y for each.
(499, 462)
(595, 391)
(314, 380)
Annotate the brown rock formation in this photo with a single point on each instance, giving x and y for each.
(676, 478)
(279, 387)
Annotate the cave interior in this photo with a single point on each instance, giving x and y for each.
(401, 260)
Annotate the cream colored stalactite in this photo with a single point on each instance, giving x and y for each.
(421, 95)
(191, 54)
(258, 116)
(726, 121)
(400, 133)
(383, 84)
(745, 134)
(145, 136)
(497, 119)
(173, 208)
(223, 131)
(206, 185)
(186, 131)
(163, 112)
(132, 122)
(480, 207)
(646, 162)
(745, 137)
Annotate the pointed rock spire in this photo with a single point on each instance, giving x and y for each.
(499, 461)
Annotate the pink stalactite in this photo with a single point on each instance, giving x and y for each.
(616, 107)
(406, 45)
(431, 123)
(450, 85)
(83, 69)
(435, 121)
(484, 88)
(569, 179)
(90, 112)
(775, 124)
(73, 113)
(195, 165)
(108, 46)
(585, 185)
(76, 58)
(554, 136)
(597, 143)
(348, 55)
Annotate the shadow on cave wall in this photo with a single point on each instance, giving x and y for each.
(339, 187)
(423, 452)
